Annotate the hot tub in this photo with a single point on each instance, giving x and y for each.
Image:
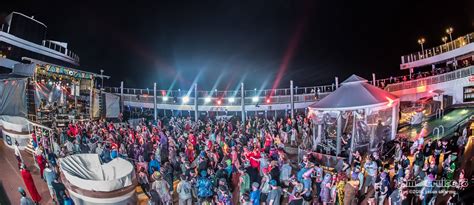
(91, 182)
(15, 129)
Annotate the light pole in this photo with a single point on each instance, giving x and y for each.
(421, 41)
(449, 31)
(102, 78)
(445, 39)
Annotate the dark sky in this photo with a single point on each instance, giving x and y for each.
(222, 42)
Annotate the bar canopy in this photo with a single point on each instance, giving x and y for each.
(355, 93)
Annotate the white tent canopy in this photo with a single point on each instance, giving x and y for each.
(368, 113)
(355, 93)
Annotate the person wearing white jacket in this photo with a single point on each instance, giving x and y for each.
(17, 153)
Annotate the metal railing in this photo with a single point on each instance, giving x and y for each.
(50, 45)
(439, 113)
(226, 94)
(4, 27)
(224, 98)
(275, 96)
(453, 75)
(61, 49)
(298, 98)
(449, 46)
(436, 131)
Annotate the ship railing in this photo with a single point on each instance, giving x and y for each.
(314, 90)
(384, 82)
(178, 100)
(446, 47)
(61, 49)
(420, 83)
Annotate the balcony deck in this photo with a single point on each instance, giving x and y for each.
(461, 46)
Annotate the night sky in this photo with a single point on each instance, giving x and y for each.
(223, 42)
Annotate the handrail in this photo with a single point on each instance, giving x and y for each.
(436, 130)
(439, 113)
(442, 130)
(38, 125)
(449, 46)
(249, 100)
(439, 131)
(222, 94)
(59, 48)
(453, 75)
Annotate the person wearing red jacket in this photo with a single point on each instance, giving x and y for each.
(254, 157)
(192, 139)
(41, 163)
(30, 184)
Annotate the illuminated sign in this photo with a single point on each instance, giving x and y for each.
(67, 71)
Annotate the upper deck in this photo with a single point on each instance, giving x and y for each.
(459, 47)
(23, 36)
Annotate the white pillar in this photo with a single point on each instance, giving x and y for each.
(337, 82)
(292, 100)
(91, 97)
(242, 102)
(121, 97)
(154, 103)
(373, 79)
(195, 103)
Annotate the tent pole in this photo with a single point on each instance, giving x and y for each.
(318, 139)
(339, 130)
(354, 118)
(394, 120)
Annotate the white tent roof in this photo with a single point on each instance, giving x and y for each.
(355, 93)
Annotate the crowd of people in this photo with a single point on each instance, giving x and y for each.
(224, 161)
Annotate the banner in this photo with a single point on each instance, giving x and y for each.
(112, 105)
(67, 71)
